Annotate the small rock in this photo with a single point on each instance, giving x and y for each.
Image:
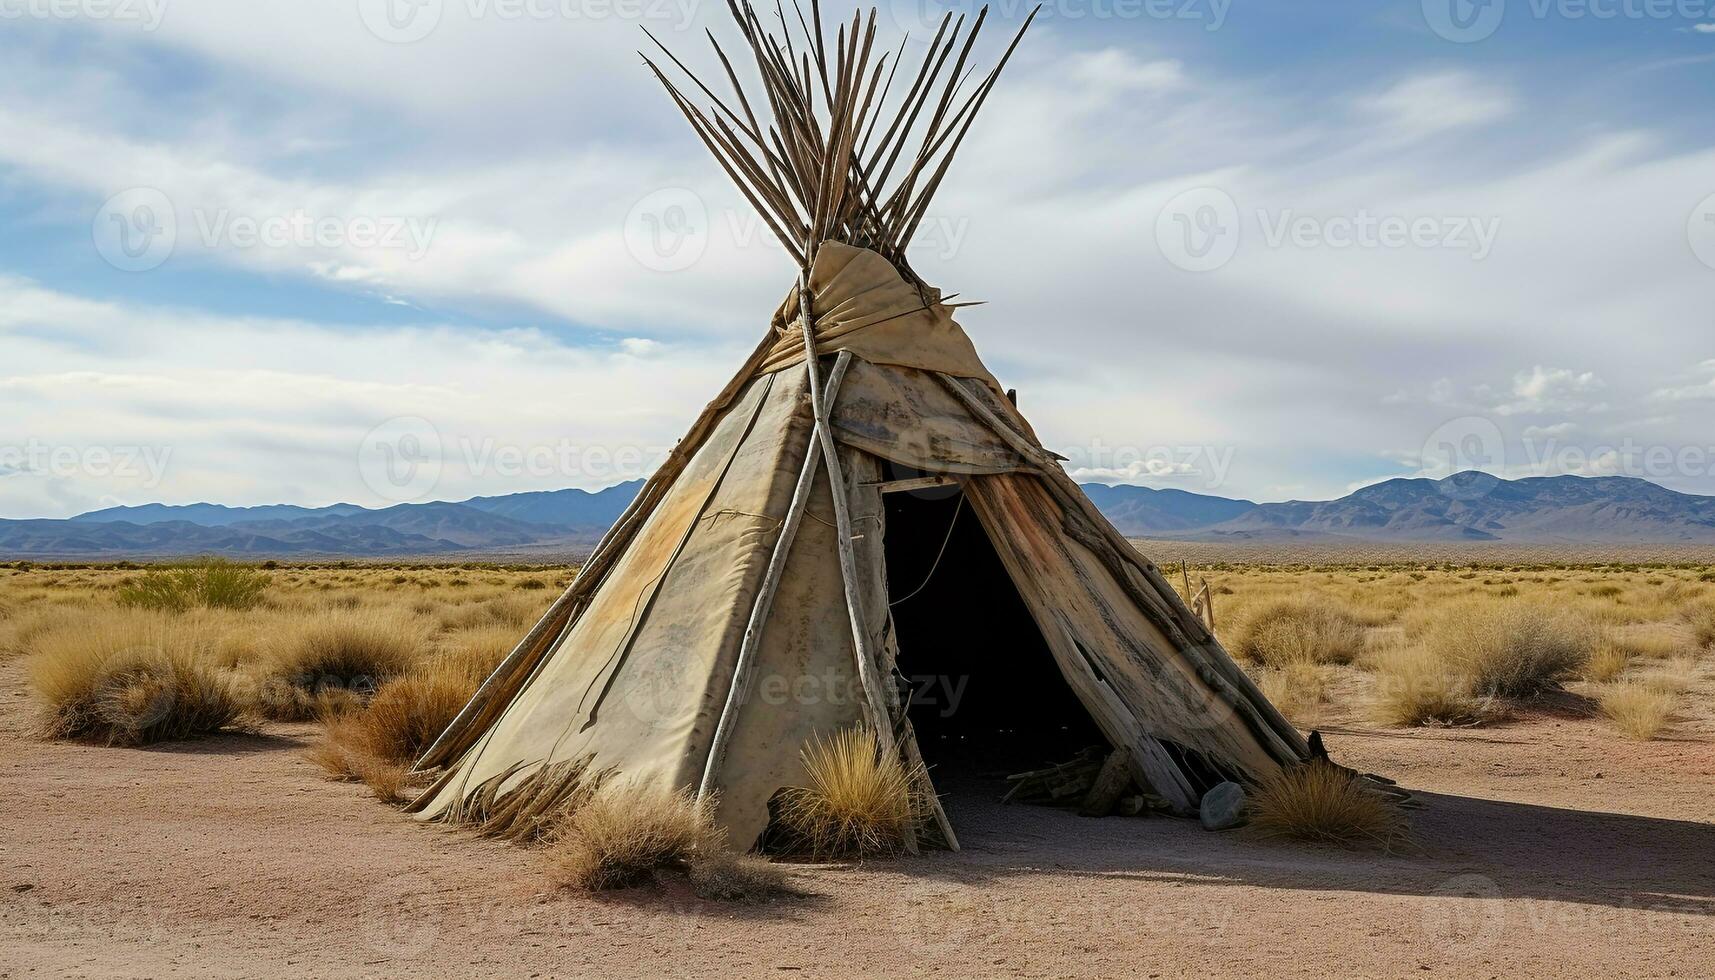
(1223, 807)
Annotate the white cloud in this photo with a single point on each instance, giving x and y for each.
(256, 410)
(1428, 105)
(530, 147)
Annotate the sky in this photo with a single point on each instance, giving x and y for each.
(264, 251)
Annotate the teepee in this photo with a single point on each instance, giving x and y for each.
(755, 594)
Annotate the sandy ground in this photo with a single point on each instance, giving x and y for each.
(1547, 848)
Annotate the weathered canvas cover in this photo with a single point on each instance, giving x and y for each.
(639, 677)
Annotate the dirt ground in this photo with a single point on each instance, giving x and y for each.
(1547, 847)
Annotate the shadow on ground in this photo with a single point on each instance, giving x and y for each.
(1463, 847)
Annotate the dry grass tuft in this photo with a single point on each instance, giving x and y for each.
(857, 802)
(627, 832)
(1512, 648)
(343, 652)
(1701, 618)
(732, 877)
(1294, 631)
(1608, 662)
(1299, 690)
(1416, 687)
(1322, 803)
(213, 583)
(378, 742)
(129, 679)
(1637, 709)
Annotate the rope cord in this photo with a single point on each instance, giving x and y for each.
(957, 509)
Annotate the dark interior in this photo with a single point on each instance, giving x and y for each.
(986, 696)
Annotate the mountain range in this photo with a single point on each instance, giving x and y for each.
(1465, 507)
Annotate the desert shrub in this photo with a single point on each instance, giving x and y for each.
(346, 753)
(129, 679)
(214, 583)
(1299, 690)
(1673, 677)
(397, 725)
(857, 801)
(1292, 631)
(477, 652)
(1512, 648)
(1701, 618)
(516, 611)
(627, 832)
(340, 657)
(1608, 661)
(1417, 687)
(1323, 803)
(1656, 644)
(728, 876)
(1637, 709)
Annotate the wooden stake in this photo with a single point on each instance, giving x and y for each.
(867, 673)
(745, 665)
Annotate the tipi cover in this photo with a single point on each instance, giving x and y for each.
(742, 604)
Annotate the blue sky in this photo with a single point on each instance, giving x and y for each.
(1438, 245)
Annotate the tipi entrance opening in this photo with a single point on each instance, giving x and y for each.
(986, 696)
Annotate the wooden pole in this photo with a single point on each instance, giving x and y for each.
(867, 673)
(746, 663)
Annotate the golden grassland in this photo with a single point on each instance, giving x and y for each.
(382, 657)
(1399, 644)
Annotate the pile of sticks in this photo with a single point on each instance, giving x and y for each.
(817, 170)
(1097, 781)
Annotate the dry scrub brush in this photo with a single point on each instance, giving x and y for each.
(858, 802)
(1322, 803)
(1415, 686)
(129, 678)
(340, 657)
(628, 832)
(1637, 708)
(1511, 648)
(212, 583)
(1313, 630)
(376, 743)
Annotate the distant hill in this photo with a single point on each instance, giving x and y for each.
(209, 515)
(1465, 507)
(563, 508)
(1477, 507)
